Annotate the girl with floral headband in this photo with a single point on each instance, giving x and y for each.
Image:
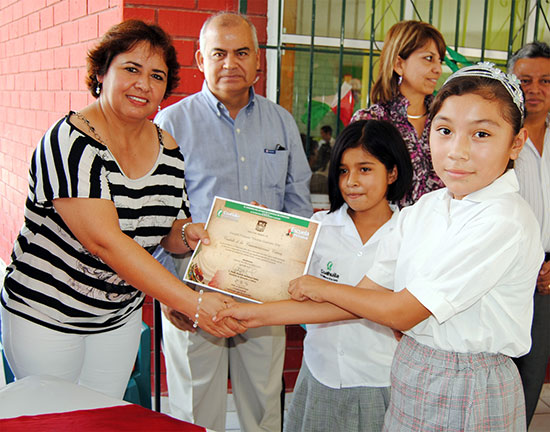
(456, 275)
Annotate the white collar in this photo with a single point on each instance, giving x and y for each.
(506, 183)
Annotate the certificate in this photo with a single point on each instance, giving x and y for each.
(253, 253)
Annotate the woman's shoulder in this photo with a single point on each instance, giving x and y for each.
(78, 131)
(64, 134)
(166, 138)
(389, 111)
(373, 112)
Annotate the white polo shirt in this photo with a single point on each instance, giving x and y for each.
(347, 353)
(472, 262)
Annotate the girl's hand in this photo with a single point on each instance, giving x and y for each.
(247, 314)
(210, 305)
(308, 288)
(195, 233)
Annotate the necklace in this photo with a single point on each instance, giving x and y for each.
(416, 117)
(92, 129)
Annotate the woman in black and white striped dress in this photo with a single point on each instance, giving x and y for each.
(106, 187)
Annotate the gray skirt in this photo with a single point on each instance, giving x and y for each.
(316, 407)
(434, 390)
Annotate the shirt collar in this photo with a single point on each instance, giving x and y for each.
(341, 218)
(338, 218)
(219, 107)
(506, 183)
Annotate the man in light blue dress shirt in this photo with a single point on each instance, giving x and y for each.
(241, 146)
(531, 64)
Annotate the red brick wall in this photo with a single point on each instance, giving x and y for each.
(43, 46)
(183, 20)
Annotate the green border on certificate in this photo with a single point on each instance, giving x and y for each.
(254, 252)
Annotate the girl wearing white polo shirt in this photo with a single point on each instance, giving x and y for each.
(457, 272)
(344, 381)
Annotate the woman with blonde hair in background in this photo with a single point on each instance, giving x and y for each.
(410, 65)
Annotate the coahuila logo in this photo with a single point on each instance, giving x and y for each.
(329, 274)
(297, 232)
(227, 215)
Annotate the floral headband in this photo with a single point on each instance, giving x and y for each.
(489, 70)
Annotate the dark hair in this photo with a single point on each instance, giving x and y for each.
(124, 37)
(535, 49)
(487, 88)
(382, 140)
(326, 129)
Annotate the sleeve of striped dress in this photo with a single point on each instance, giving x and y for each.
(67, 164)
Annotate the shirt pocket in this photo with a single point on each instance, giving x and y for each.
(274, 169)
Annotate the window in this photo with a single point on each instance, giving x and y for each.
(319, 49)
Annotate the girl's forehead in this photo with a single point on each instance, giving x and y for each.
(471, 101)
(358, 153)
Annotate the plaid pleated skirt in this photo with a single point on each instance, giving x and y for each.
(317, 408)
(435, 390)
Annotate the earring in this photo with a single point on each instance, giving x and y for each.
(98, 89)
(159, 108)
(399, 80)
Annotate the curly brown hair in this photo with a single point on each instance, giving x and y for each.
(124, 37)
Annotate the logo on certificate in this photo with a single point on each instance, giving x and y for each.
(260, 226)
(298, 233)
(227, 215)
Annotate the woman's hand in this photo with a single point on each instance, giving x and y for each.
(211, 303)
(309, 288)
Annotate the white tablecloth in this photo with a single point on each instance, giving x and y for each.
(42, 394)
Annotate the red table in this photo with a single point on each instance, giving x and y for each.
(39, 403)
(118, 418)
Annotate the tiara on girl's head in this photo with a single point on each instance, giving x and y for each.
(489, 70)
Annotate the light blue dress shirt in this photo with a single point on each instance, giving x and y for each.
(256, 157)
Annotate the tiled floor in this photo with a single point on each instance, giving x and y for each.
(541, 420)
(540, 423)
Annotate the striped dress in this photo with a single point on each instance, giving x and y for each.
(52, 279)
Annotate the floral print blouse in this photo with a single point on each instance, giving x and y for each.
(395, 111)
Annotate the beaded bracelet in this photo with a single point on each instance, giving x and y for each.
(199, 301)
(183, 234)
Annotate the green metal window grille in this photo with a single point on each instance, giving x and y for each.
(319, 44)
